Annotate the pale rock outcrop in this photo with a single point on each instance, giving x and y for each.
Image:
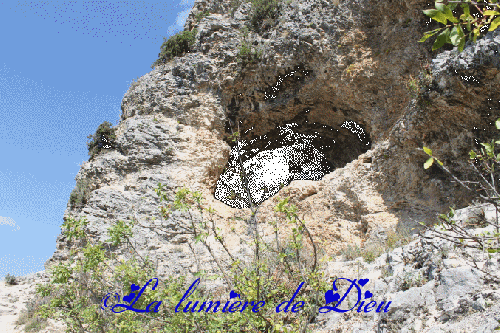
(323, 63)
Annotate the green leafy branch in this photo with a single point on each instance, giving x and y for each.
(430, 161)
(448, 229)
(453, 33)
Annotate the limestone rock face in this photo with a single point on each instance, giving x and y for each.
(429, 285)
(323, 63)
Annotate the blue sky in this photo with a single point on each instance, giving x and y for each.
(64, 68)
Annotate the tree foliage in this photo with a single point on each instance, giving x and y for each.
(262, 12)
(475, 17)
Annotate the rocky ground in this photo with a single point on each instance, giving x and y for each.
(433, 286)
(15, 298)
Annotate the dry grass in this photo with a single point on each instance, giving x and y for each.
(28, 316)
(372, 251)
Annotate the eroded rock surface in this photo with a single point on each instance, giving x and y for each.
(431, 285)
(323, 63)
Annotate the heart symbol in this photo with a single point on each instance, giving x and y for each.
(134, 287)
(368, 294)
(362, 282)
(232, 294)
(331, 297)
(129, 298)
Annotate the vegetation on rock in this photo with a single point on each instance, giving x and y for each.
(263, 12)
(103, 138)
(200, 15)
(30, 318)
(10, 279)
(175, 46)
(485, 165)
(395, 238)
(76, 290)
(246, 53)
(80, 193)
(274, 272)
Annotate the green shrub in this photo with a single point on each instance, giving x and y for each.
(351, 252)
(234, 6)
(264, 11)
(134, 84)
(80, 193)
(104, 138)
(246, 55)
(10, 279)
(175, 46)
(482, 189)
(410, 280)
(75, 292)
(372, 252)
(368, 253)
(397, 238)
(200, 15)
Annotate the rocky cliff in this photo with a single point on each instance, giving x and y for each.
(321, 65)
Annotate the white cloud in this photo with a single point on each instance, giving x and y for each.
(9, 221)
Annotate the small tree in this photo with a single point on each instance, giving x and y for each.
(274, 272)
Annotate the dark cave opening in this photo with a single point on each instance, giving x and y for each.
(289, 152)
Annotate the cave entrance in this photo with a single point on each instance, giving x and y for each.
(295, 150)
